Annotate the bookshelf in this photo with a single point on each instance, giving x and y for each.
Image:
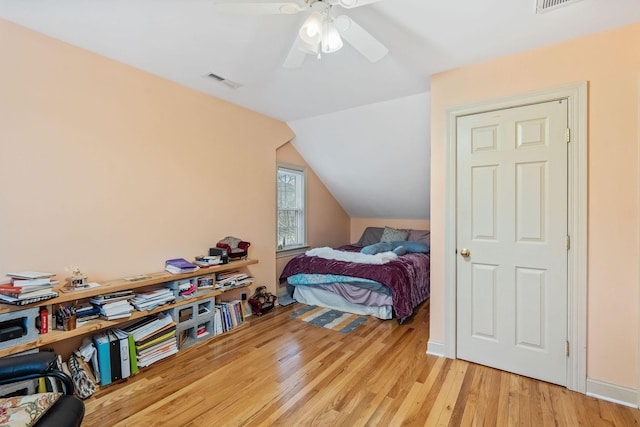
(154, 279)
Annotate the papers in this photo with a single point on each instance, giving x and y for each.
(30, 275)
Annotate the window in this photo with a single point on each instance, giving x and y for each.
(291, 207)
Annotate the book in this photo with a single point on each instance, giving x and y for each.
(24, 294)
(10, 288)
(116, 316)
(17, 301)
(153, 325)
(154, 337)
(114, 354)
(162, 338)
(153, 299)
(125, 363)
(31, 282)
(30, 275)
(101, 341)
(179, 266)
(217, 321)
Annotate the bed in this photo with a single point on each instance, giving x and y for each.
(390, 287)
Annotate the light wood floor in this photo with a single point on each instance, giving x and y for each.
(280, 371)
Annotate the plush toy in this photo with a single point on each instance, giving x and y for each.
(262, 301)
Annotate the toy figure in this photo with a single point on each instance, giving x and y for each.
(262, 301)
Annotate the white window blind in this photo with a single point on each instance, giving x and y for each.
(291, 208)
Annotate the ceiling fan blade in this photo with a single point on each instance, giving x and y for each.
(350, 4)
(360, 39)
(296, 55)
(286, 8)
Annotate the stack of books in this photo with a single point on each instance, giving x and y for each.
(154, 337)
(152, 299)
(230, 279)
(27, 287)
(231, 315)
(86, 312)
(179, 266)
(207, 261)
(114, 305)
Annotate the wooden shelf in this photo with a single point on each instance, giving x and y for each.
(54, 336)
(124, 284)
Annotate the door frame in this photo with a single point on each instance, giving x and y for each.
(576, 96)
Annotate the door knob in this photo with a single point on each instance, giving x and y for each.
(465, 252)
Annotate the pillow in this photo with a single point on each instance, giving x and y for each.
(399, 247)
(377, 248)
(399, 250)
(370, 235)
(25, 410)
(423, 236)
(413, 247)
(391, 234)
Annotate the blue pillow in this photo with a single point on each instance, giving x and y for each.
(377, 248)
(399, 247)
(413, 247)
(400, 250)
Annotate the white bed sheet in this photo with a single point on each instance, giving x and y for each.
(313, 296)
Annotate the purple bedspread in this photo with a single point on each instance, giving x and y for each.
(407, 276)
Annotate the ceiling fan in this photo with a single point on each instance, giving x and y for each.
(321, 32)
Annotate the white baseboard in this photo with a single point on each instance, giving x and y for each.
(435, 348)
(612, 393)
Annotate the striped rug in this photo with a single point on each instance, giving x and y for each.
(328, 318)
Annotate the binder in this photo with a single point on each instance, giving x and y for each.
(101, 342)
(133, 361)
(131, 350)
(114, 354)
(125, 365)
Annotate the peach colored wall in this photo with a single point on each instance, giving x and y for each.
(115, 170)
(359, 224)
(612, 67)
(327, 222)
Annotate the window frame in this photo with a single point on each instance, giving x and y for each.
(301, 171)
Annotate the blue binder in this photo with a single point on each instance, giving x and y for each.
(103, 347)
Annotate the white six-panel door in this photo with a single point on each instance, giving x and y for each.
(512, 240)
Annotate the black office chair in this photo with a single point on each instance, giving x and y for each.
(68, 410)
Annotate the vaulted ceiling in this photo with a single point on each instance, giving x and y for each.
(185, 40)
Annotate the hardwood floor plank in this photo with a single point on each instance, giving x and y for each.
(448, 402)
(279, 371)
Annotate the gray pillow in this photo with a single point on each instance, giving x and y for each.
(392, 234)
(370, 236)
(423, 236)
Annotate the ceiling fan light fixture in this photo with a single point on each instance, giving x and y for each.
(331, 40)
(311, 30)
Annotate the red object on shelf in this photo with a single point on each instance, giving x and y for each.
(44, 320)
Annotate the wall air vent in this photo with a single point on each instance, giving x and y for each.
(226, 82)
(549, 5)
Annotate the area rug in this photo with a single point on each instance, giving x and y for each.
(329, 319)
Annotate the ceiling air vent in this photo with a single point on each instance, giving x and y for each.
(549, 5)
(226, 82)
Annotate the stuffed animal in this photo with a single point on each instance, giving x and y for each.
(262, 301)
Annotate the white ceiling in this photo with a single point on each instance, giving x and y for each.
(184, 40)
